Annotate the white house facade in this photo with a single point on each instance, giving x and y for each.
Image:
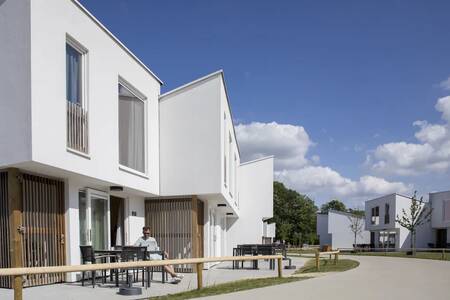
(90, 152)
(385, 232)
(334, 229)
(440, 218)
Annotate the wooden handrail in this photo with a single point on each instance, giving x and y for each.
(18, 272)
(318, 254)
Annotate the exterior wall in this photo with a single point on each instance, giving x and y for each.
(438, 201)
(256, 203)
(341, 234)
(15, 85)
(190, 140)
(51, 22)
(322, 229)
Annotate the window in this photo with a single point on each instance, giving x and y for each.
(73, 75)
(230, 161)
(131, 129)
(375, 215)
(386, 214)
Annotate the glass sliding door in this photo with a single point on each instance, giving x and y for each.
(94, 219)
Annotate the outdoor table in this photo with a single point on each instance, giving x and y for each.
(116, 253)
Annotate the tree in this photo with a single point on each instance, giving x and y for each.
(295, 216)
(333, 205)
(356, 226)
(417, 215)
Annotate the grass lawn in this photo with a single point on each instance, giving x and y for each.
(327, 265)
(424, 255)
(230, 287)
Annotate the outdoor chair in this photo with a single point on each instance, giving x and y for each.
(88, 256)
(164, 274)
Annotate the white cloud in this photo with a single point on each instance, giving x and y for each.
(430, 154)
(290, 145)
(445, 84)
(287, 142)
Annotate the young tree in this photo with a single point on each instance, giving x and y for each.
(417, 215)
(356, 226)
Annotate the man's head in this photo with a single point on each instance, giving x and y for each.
(146, 231)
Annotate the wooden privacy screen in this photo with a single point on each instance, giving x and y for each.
(42, 232)
(177, 226)
(5, 260)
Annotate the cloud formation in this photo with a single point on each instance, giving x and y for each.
(430, 154)
(445, 84)
(290, 145)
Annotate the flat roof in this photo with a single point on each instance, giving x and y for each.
(115, 39)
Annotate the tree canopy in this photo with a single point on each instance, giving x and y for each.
(295, 216)
(333, 205)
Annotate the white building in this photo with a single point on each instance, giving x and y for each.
(385, 232)
(88, 144)
(333, 229)
(440, 218)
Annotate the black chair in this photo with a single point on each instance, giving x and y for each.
(164, 275)
(88, 256)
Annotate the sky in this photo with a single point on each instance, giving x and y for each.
(350, 96)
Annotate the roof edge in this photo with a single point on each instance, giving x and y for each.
(115, 39)
(256, 160)
(191, 83)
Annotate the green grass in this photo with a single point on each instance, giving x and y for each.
(423, 255)
(230, 287)
(327, 265)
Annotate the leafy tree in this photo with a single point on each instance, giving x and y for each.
(357, 212)
(417, 215)
(295, 216)
(333, 205)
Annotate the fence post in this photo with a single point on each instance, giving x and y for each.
(317, 261)
(443, 254)
(336, 258)
(18, 291)
(280, 267)
(199, 276)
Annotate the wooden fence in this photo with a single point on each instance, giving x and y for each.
(329, 253)
(17, 273)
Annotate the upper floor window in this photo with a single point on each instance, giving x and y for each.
(230, 161)
(77, 117)
(386, 214)
(131, 129)
(375, 215)
(225, 144)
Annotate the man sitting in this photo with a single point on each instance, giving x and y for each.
(147, 241)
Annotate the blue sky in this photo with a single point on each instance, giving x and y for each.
(345, 77)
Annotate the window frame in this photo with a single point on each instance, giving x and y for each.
(124, 83)
(84, 55)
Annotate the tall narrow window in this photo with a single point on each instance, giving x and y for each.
(131, 130)
(225, 144)
(386, 214)
(230, 162)
(73, 75)
(77, 115)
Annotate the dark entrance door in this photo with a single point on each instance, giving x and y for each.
(441, 238)
(116, 205)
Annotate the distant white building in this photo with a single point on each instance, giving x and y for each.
(333, 228)
(440, 219)
(385, 232)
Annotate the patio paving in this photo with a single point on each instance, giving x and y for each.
(218, 274)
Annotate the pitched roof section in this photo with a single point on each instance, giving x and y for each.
(115, 39)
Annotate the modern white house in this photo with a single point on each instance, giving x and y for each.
(440, 218)
(334, 229)
(90, 152)
(385, 232)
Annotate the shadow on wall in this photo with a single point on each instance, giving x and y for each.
(2, 1)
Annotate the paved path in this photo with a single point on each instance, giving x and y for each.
(376, 278)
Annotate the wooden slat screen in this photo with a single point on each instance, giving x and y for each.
(170, 221)
(43, 221)
(5, 259)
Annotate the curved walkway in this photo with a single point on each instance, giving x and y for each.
(375, 278)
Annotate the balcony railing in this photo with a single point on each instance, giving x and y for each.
(77, 128)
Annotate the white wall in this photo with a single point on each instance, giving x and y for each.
(51, 21)
(15, 88)
(190, 140)
(256, 203)
(341, 234)
(437, 201)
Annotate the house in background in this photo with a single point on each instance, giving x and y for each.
(385, 232)
(90, 152)
(333, 228)
(440, 218)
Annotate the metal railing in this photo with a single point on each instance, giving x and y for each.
(77, 128)
(17, 273)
